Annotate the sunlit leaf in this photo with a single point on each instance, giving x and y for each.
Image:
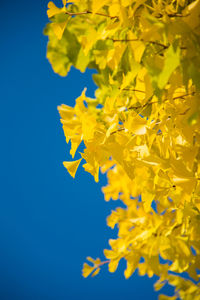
(72, 166)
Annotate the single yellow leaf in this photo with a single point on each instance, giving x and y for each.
(75, 142)
(137, 47)
(53, 10)
(113, 264)
(72, 166)
(98, 4)
(59, 29)
(94, 261)
(96, 272)
(87, 270)
(159, 284)
(132, 264)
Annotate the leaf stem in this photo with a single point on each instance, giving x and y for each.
(103, 263)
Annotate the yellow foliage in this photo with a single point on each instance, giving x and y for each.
(145, 134)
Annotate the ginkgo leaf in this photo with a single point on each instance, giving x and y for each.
(114, 9)
(94, 170)
(113, 264)
(96, 272)
(75, 142)
(136, 124)
(72, 166)
(90, 259)
(87, 270)
(96, 5)
(132, 264)
(137, 46)
(53, 9)
(172, 61)
(59, 29)
(159, 284)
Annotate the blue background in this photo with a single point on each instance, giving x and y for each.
(49, 222)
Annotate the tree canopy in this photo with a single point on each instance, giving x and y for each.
(142, 128)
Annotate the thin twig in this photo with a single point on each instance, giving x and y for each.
(189, 94)
(103, 263)
(153, 102)
(175, 15)
(132, 90)
(90, 12)
(138, 40)
(119, 129)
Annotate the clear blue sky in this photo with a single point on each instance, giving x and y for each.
(49, 222)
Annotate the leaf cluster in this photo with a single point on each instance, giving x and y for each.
(142, 129)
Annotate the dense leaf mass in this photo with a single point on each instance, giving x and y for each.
(142, 128)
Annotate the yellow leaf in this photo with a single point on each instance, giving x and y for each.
(88, 126)
(136, 124)
(183, 247)
(130, 76)
(93, 170)
(113, 264)
(96, 272)
(75, 142)
(53, 10)
(126, 2)
(147, 198)
(110, 254)
(87, 270)
(132, 264)
(193, 18)
(88, 41)
(65, 111)
(94, 261)
(114, 9)
(142, 150)
(72, 166)
(109, 104)
(137, 47)
(158, 285)
(59, 29)
(98, 4)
